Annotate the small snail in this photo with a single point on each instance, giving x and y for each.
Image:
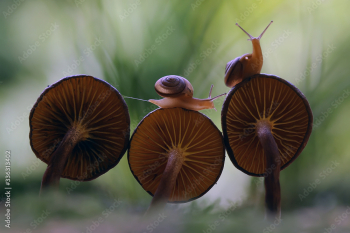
(246, 65)
(178, 92)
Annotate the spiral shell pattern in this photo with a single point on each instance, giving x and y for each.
(233, 74)
(173, 86)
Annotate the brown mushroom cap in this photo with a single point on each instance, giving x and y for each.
(96, 110)
(193, 134)
(265, 97)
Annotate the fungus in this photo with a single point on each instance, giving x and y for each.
(79, 127)
(176, 155)
(266, 124)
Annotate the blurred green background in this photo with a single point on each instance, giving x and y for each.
(131, 44)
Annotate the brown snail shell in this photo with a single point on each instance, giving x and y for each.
(173, 86)
(233, 72)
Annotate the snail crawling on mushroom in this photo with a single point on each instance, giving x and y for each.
(176, 153)
(178, 92)
(266, 122)
(246, 65)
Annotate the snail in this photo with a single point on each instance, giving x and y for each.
(178, 92)
(267, 148)
(246, 65)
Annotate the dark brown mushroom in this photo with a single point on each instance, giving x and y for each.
(176, 155)
(79, 126)
(266, 124)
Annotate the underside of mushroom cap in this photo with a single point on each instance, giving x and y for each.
(92, 109)
(269, 100)
(192, 136)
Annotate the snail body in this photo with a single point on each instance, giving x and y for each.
(184, 102)
(178, 92)
(246, 65)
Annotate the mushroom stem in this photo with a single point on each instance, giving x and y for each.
(59, 159)
(273, 167)
(168, 181)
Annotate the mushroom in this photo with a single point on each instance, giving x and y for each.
(266, 123)
(79, 127)
(176, 155)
